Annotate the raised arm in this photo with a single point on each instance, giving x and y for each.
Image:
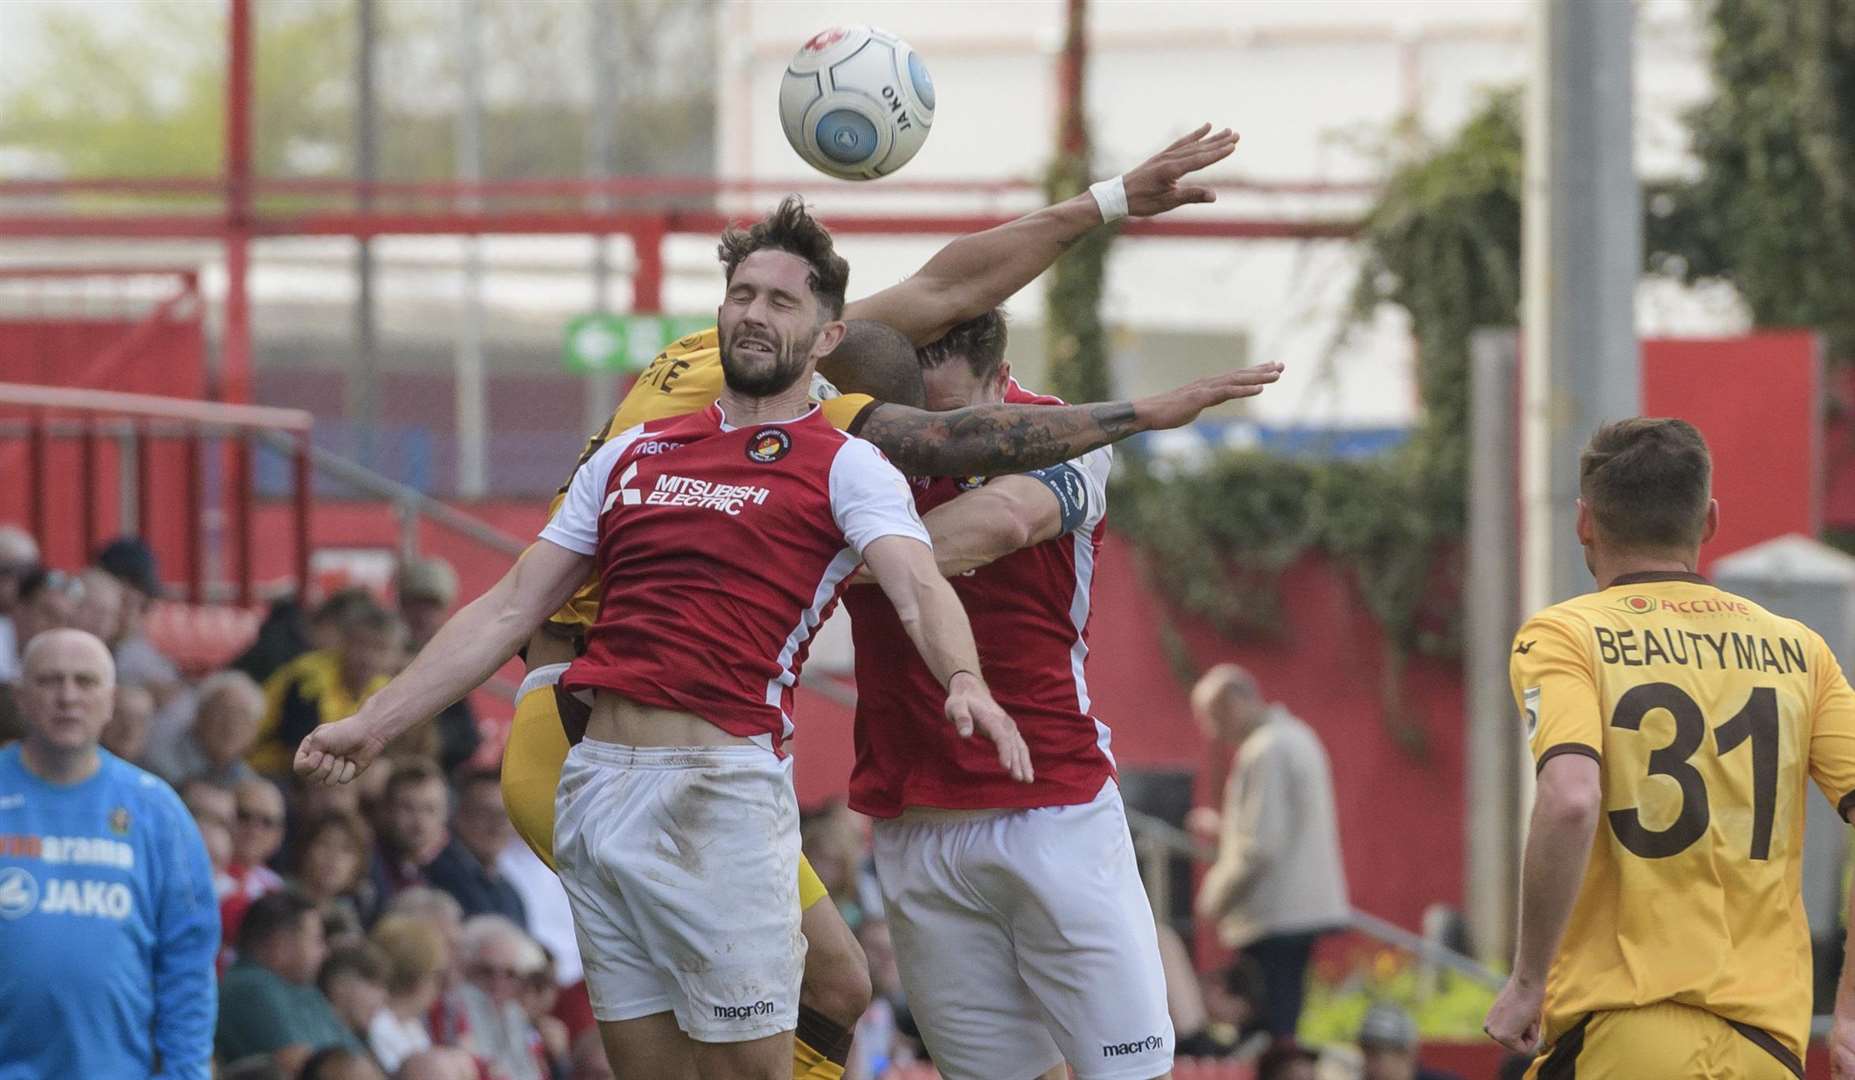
(978, 272)
(986, 440)
(468, 649)
(936, 623)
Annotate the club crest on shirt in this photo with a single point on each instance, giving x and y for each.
(1530, 698)
(768, 445)
(119, 821)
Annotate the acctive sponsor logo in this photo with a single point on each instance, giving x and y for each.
(1645, 605)
(744, 1012)
(1143, 1046)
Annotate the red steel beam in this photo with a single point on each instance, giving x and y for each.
(195, 528)
(708, 223)
(115, 226)
(687, 222)
(87, 486)
(579, 188)
(303, 493)
(154, 406)
(187, 273)
(235, 353)
(241, 497)
(37, 450)
(144, 480)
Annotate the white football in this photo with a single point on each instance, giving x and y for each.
(856, 102)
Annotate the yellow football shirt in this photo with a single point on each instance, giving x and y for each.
(682, 379)
(300, 695)
(1706, 713)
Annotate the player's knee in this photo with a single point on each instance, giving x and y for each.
(762, 1059)
(837, 982)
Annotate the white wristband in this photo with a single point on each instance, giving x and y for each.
(1111, 196)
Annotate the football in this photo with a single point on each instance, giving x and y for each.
(856, 102)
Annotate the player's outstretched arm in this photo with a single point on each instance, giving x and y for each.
(1565, 814)
(936, 623)
(978, 272)
(468, 649)
(986, 440)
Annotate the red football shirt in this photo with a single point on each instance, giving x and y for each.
(720, 550)
(1030, 613)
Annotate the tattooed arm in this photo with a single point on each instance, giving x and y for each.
(983, 440)
(976, 273)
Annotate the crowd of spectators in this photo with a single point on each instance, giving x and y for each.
(395, 927)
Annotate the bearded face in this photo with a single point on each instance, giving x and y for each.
(769, 322)
(757, 362)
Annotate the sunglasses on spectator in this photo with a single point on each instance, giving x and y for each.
(252, 817)
(60, 582)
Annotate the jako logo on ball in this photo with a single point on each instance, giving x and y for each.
(856, 102)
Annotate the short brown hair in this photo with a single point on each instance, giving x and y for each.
(408, 771)
(979, 341)
(1648, 483)
(364, 961)
(352, 826)
(792, 229)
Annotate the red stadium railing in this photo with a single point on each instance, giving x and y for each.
(124, 434)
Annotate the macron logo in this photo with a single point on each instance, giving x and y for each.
(1146, 1045)
(744, 1012)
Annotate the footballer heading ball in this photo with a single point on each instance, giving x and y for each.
(856, 102)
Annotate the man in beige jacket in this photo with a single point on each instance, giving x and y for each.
(1277, 884)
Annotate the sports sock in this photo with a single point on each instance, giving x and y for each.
(821, 1048)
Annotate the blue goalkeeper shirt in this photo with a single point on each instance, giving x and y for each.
(108, 928)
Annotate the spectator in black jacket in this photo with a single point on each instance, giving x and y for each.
(480, 830)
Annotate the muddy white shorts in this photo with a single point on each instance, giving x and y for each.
(1024, 938)
(678, 863)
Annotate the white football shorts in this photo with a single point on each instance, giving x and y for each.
(1024, 939)
(678, 863)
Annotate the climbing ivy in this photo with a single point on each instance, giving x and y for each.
(1077, 340)
(1442, 242)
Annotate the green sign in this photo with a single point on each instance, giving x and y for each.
(612, 344)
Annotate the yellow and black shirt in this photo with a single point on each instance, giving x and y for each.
(1707, 714)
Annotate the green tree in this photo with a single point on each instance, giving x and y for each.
(145, 96)
(1773, 208)
(1077, 343)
